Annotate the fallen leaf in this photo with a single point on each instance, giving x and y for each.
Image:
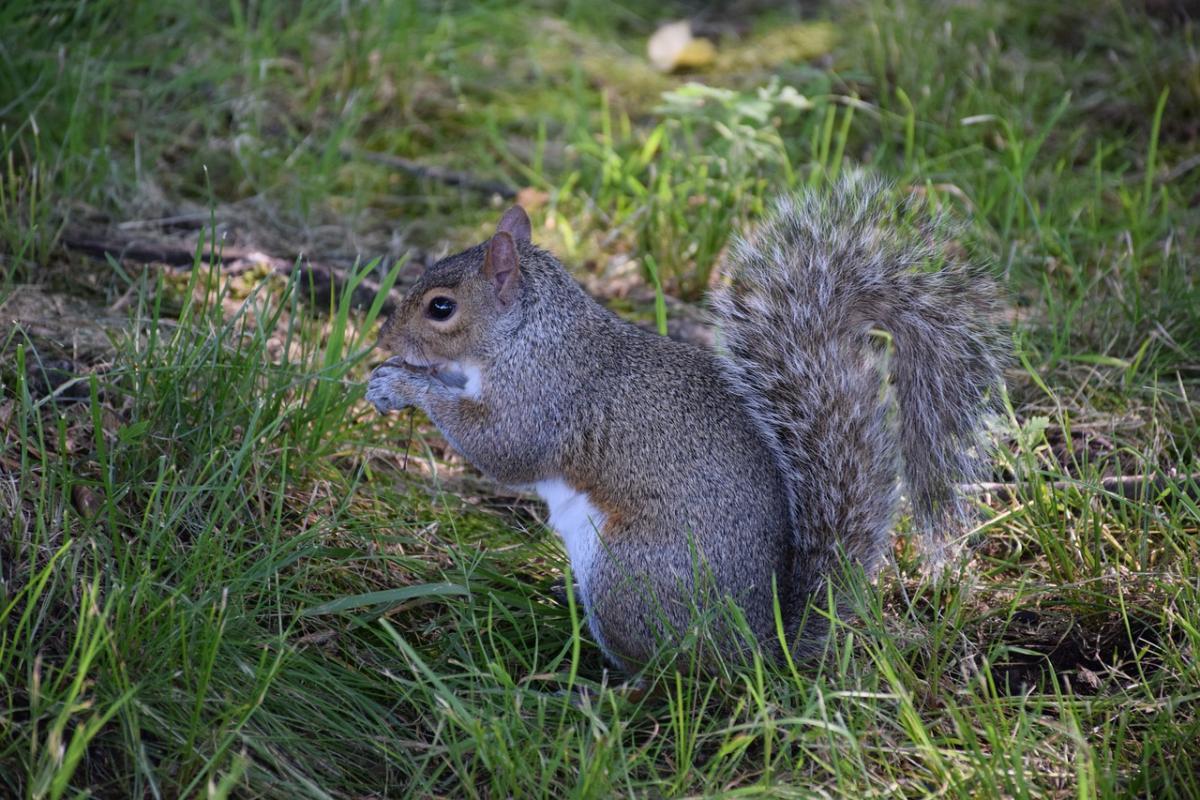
(672, 47)
(86, 502)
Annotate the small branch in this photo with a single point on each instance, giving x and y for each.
(1131, 487)
(142, 252)
(321, 280)
(440, 174)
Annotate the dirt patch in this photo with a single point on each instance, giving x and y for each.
(62, 326)
(1083, 653)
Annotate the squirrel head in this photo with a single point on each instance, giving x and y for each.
(461, 304)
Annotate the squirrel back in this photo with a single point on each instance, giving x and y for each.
(681, 479)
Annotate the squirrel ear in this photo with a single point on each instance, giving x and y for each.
(515, 223)
(502, 266)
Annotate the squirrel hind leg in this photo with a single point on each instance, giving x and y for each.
(649, 605)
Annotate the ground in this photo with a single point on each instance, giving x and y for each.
(222, 574)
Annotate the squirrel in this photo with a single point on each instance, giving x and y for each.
(682, 478)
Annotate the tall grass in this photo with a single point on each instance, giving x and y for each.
(222, 574)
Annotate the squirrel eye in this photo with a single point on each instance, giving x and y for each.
(441, 308)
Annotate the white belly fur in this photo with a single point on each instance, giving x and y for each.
(578, 524)
(464, 377)
(474, 376)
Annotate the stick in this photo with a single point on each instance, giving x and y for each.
(147, 252)
(321, 280)
(440, 174)
(1131, 487)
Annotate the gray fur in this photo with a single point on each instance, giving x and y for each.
(797, 320)
(721, 477)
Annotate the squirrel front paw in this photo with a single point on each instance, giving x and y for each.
(395, 385)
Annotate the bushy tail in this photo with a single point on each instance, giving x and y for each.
(801, 320)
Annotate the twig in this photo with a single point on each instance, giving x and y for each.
(440, 174)
(1131, 487)
(319, 279)
(412, 415)
(199, 217)
(170, 253)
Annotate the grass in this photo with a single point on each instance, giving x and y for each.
(221, 574)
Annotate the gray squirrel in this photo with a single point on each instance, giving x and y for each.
(857, 354)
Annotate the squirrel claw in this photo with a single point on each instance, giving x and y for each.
(382, 390)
